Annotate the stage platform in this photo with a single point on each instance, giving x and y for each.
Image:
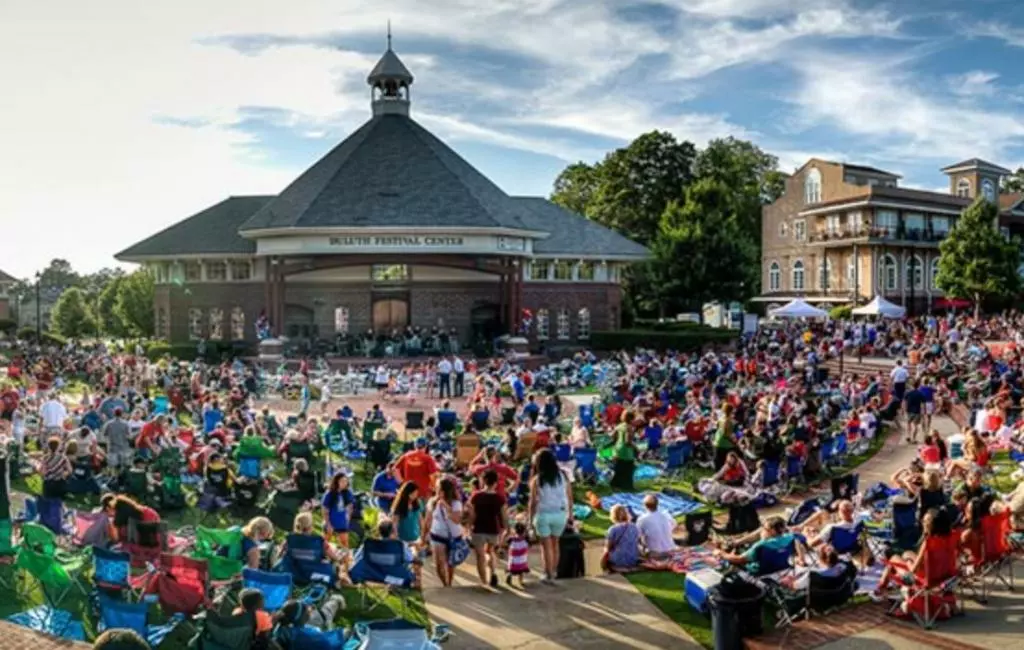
(530, 362)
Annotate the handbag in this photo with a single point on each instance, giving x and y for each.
(458, 551)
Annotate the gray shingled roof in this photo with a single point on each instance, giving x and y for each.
(977, 162)
(573, 234)
(390, 172)
(6, 277)
(214, 230)
(390, 67)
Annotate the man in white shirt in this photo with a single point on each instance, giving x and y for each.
(656, 527)
(459, 368)
(899, 376)
(444, 378)
(53, 414)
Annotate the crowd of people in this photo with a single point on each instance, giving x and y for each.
(147, 436)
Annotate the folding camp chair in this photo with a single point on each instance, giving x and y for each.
(52, 514)
(370, 429)
(525, 447)
(508, 416)
(901, 533)
(382, 562)
(414, 420)
(42, 540)
(840, 450)
(743, 518)
(146, 540)
(586, 415)
(57, 578)
(112, 574)
(676, 455)
(250, 467)
(480, 420)
(222, 632)
(828, 591)
(119, 614)
(844, 488)
(299, 449)
(83, 479)
(775, 572)
(586, 463)
(284, 505)
(794, 472)
(305, 560)
(933, 594)
(90, 529)
(222, 549)
(275, 586)
(698, 527)
(181, 584)
(467, 446)
(446, 421)
(772, 478)
(8, 553)
(826, 452)
(997, 551)
(396, 633)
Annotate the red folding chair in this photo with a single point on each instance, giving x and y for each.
(996, 550)
(932, 596)
(181, 584)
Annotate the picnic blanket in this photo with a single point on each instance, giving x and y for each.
(685, 560)
(56, 622)
(673, 505)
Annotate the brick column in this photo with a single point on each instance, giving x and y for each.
(517, 300)
(502, 297)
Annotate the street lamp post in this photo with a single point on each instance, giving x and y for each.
(39, 310)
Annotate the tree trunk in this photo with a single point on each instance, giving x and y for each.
(977, 306)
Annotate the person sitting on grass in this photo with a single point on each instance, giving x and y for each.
(773, 535)
(309, 627)
(251, 601)
(656, 528)
(845, 521)
(622, 543)
(255, 533)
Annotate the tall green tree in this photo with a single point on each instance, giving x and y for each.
(134, 303)
(575, 187)
(977, 262)
(107, 318)
(702, 252)
(751, 175)
(59, 274)
(71, 316)
(1014, 182)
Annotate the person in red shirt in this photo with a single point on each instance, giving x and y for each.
(9, 400)
(419, 467)
(150, 435)
(489, 458)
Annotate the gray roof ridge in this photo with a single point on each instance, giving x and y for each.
(353, 141)
(177, 224)
(418, 130)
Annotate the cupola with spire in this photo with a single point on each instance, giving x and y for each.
(389, 83)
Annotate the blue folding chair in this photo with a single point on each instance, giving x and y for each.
(51, 514)
(846, 541)
(676, 456)
(773, 566)
(840, 450)
(382, 562)
(563, 452)
(826, 453)
(276, 587)
(446, 421)
(112, 571)
(119, 614)
(250, 467)
(804, 511)
(586, 415)
(480, 420)
(794, 470)
(586, 463)
(305, 560)
(771, 478)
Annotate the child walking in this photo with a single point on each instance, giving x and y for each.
(518, 555)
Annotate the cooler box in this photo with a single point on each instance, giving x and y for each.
(955, 443)
(697, 585)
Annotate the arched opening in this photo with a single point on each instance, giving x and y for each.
(485, 323)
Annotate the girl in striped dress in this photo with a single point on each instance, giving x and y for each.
(518, 555)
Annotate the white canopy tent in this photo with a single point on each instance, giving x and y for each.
(798, 309)
(879, 306)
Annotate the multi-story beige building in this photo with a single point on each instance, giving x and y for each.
(843, 233)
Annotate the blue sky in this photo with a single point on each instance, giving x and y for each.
(124, 117)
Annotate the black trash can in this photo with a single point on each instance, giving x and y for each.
(735, 605)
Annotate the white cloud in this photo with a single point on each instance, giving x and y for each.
(1010, 34)
(976, 83)
(899, 116)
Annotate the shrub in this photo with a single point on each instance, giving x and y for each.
(685, 341)
(49, 338)
(157, 350)
(7, 326)
(842, 312)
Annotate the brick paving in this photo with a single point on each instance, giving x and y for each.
(14, 637)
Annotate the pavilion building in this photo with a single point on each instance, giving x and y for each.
(390, 228)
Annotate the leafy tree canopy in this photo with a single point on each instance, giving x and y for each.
(71, 316)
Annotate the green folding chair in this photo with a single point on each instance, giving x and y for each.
(8, 554)
(57, 579)
(41, 539)
(222, 548)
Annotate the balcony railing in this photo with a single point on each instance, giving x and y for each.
(891, 234)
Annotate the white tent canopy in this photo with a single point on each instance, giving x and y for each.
(798, 309)
(879, 306)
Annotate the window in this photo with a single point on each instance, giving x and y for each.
(940, 226)
(241, 270)
(193, 272)
(195, 323)
(341, 320)
(933, 273)
(851, 272)
(389, 272)
(963, 188)
(161, 324)
(782, 229)
(825, 278)
(563, 270)
(586, 271)
(798, 275)
(613, 273)
(774, 277)
(563, 324)
(851, 179)
(537, 271)
(800, 230)
(542, 324)
(888, 273)
(216, 271)
(915, 270)
(812, 186)
(886, 220)
(237, 324)
(988, 190)
(854, 221)
(833, 224)
(216, 324)
(583, 324)
(913, 223)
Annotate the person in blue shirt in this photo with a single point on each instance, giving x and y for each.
(212, 417)
(653, 434)
(346, 412)
(531, 411)
(375, 414)
(928, 394)
(914, 404)
(385, 487)
(338, 503)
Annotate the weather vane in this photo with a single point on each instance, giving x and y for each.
(389, 33)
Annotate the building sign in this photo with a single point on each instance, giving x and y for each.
(397, 241)
(511, 244)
